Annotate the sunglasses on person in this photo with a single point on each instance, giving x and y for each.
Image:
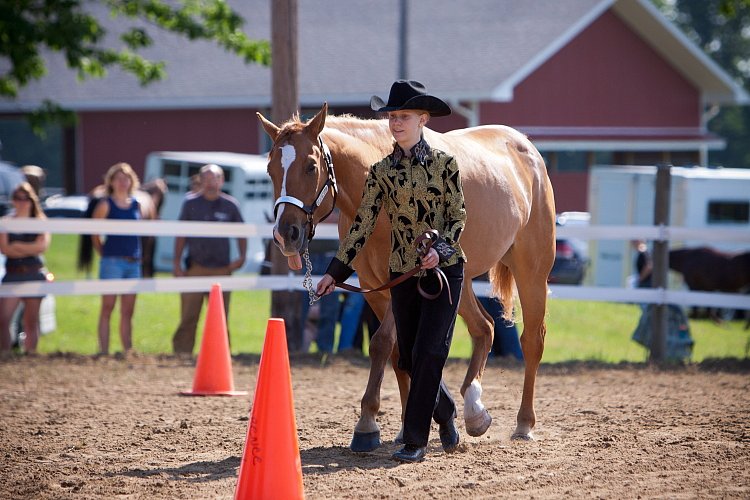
(18, 197)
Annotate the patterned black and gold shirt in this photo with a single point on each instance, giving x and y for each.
(419, 192)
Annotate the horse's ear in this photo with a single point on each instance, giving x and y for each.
(271, 129)
(316, 124)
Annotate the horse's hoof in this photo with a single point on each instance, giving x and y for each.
(362, 442)
(520, 436)
(478, 424)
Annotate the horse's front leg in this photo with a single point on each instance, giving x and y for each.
(367, 431)
(480, 326)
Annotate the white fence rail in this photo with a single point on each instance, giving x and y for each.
(294, 282)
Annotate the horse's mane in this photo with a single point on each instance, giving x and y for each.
(373, 133)
(367, 132)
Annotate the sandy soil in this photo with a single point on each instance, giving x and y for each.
(80, 427)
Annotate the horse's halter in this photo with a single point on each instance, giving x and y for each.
(329, 185)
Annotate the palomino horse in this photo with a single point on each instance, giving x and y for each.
(510, 231)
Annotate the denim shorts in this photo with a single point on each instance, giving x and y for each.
(115, 268)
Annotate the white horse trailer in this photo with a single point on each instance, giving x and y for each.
(245, 179)
(700, 198)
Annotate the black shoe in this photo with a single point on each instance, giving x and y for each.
(409, 454)
(449, 436)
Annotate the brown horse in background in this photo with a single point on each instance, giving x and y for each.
(510, 231)
(709, 270)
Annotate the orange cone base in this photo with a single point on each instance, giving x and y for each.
(213, 370)
(213, 393)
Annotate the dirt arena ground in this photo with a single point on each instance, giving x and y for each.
(86, 428)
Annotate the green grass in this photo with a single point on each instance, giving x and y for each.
(600, 331)
(576, 330)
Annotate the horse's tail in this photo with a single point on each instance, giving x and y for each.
(502, 283)
(85, 243)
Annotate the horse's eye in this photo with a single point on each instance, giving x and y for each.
(310, 168)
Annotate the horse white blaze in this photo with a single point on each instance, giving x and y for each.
(288, 155)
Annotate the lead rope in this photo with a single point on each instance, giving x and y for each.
(307, 280)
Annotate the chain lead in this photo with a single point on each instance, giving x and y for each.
(307, 280)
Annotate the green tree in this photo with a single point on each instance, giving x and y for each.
(29, 27)
(722, 29)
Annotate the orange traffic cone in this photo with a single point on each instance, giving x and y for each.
(213, 371)
(271, 465)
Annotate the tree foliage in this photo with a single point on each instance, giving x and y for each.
(28, 28)
(722, 29)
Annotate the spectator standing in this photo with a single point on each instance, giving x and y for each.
(369, 320)
(644, 265)
(23, 262)
(35, 176)
(120, 254)
(505, 341)
(351, 322)
(321, 251)
(204, 256)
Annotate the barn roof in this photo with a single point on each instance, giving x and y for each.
(474, 50)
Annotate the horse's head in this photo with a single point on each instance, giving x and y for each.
(303, 182)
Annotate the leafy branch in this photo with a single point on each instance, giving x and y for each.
(29, 27)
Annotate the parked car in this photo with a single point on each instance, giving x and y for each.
(65, 206)
(10, 177)
(571, 254)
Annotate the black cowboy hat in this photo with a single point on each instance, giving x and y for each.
(410, 94)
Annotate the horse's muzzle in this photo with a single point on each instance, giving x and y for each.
(290, 238)
(291, 243)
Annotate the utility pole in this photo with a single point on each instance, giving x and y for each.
(403, 39)
(660, 319)
(285, 96)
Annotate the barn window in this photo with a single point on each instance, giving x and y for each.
(572, 161)
(728, 212)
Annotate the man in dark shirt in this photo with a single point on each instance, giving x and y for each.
(205, 256)
(643, 264)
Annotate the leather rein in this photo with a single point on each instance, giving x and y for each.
(423, 242)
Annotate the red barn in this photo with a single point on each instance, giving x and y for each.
(590, 82)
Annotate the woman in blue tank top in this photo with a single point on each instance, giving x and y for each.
(120, 254)
(23, 263)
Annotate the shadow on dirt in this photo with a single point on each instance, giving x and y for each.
(196, 472)
(334, 459)
(710, 365)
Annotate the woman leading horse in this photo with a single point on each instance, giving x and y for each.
(419, 189)
(510, 231)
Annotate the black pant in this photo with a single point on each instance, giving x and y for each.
(424, 330)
